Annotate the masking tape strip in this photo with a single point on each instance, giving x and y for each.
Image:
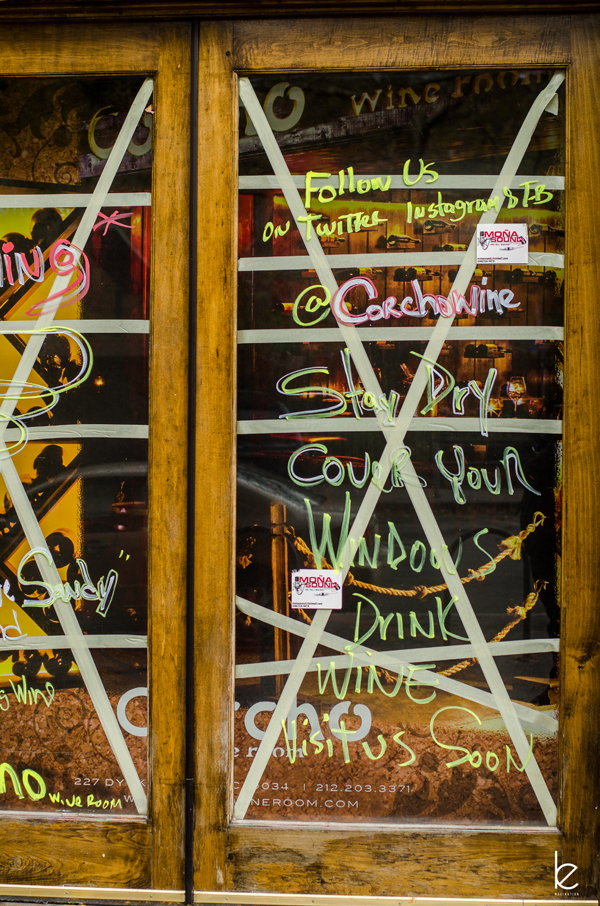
(108, 326)
(76, 432)
(22, 504)
(421, 503)
(73, 200)
(471, 181)
(545, 259)
(387, 259)
(47, 642)
(407, 334)
(322, 267)
(365, 425)
(417, 656)
(392, 661)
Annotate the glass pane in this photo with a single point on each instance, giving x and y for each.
(400, 424)
(75, 178)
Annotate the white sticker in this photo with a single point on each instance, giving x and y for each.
(502, 244)
(317, 589)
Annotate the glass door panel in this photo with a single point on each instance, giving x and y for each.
(400, 362)
(75, 194)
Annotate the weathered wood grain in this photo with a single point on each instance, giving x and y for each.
(580, 642)
(168, 454)
(443, 41)
(215, 452)
(67, 48)
(97, 853)
(392, 862)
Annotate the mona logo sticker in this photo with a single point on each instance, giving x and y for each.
(317, 589)
(502, 244)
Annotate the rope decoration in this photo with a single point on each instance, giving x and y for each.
(522, 611)
(511, 548)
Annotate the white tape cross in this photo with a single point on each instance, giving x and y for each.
(394, 438)
(31, 528)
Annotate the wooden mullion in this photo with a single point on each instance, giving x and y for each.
(215, 453)
(168, 455)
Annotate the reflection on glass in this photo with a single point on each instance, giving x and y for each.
(516, 388)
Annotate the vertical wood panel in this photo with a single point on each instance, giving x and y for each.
(168, 454)
(215, 452)
(580, 645)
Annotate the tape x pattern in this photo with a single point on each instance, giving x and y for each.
(512, 714)
(73, 635)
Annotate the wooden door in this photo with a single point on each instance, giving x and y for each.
(94, 331)
(428, 126)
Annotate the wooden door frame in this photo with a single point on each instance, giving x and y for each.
(43, 853)
(289, 859)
